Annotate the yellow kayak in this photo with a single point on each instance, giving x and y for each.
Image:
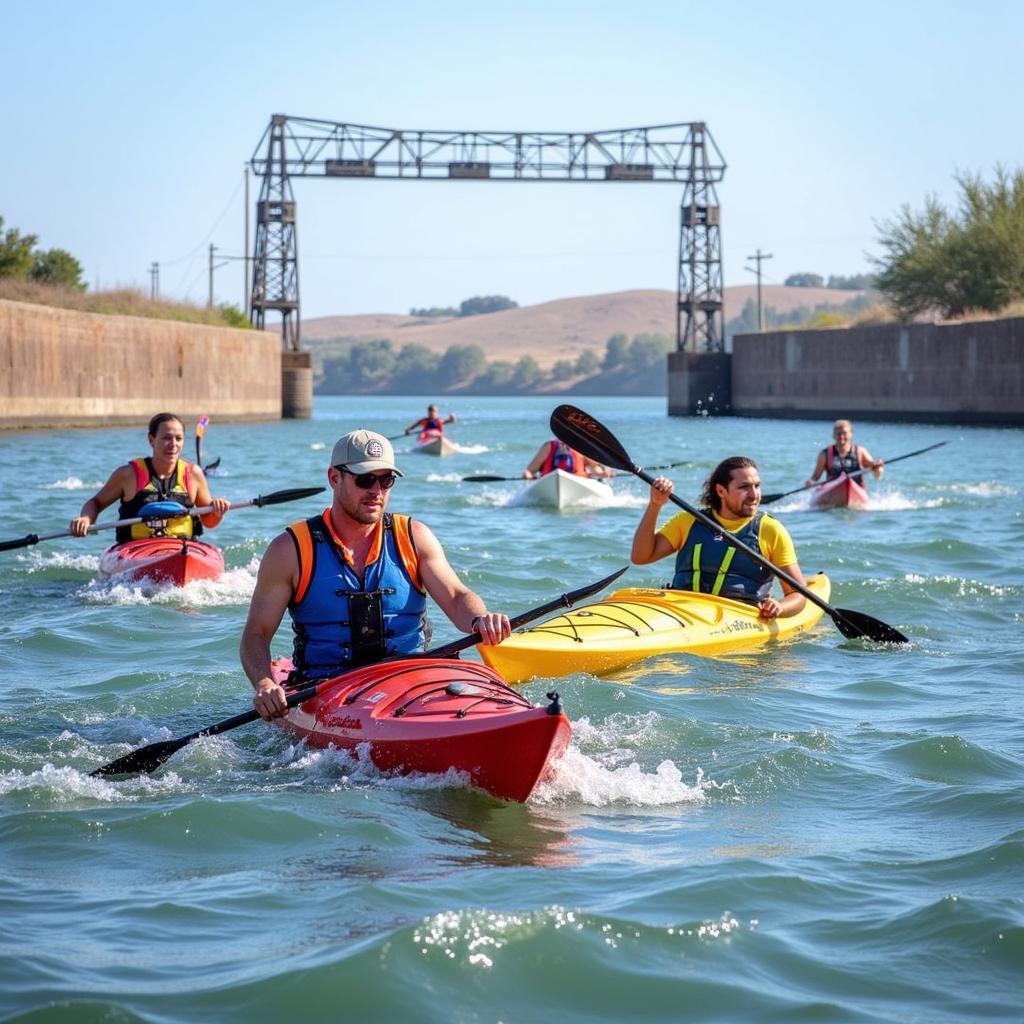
(637, 623)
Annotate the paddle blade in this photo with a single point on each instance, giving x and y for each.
(856, 624)
(209, 468)
(21, 542)
(145, 759)
(590, 437)
(767, 499)
(277, 497)
(484, 479)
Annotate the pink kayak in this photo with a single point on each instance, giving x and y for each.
(842, 492)
(162, 560)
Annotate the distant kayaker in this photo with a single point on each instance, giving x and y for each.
(355, 580)
(431, 425)
(843, 456)
(555, 454)
(162, 476)
(705, 563)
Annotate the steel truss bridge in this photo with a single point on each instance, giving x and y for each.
(297, 147)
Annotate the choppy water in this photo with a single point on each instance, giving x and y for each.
(821, 831)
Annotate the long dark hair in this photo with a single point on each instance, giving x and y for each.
(163, 417)
(722, 474)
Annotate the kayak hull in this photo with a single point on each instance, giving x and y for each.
(559, 489)
(162, 560)
(432, 715)
(635, 623)
(842, 492)
(435, 444)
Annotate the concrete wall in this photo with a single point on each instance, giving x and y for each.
(59, 367)
(963, 373)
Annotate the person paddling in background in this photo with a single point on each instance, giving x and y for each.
(355, 580)
(705, 563)
(431, 425)
(556, 454)
(162, 476)
(843, 456)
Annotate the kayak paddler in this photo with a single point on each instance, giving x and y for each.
(705, 563)
(555, 454)
(843, 456)
(161, 476)
(355, 580)
(431, 425)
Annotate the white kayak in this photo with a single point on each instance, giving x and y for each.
(559, 489)
(435, 444)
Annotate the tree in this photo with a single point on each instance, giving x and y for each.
(460, 364)
(804, 280)
(948, 263)
(853, 283)
(416, 362)
(615, 351)
(17, 253)
(587, 363)
(371, 363)
(58, 267)
(486, 304)
(528, 373)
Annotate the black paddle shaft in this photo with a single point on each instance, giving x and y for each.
(150, 757)
(589, 436)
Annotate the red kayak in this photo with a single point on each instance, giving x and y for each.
(162, 560)
(842, 492)
(431, 715)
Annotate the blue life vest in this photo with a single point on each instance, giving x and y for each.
(836, 463)
(340, 621)
(706, 564)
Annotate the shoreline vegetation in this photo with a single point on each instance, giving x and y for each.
(125, 301)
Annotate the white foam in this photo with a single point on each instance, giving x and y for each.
(443, 478)
(472, 449)
(235, 586)
(72, 483)
(40, 561)
(54, 786)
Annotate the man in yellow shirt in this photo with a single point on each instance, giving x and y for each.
(705, 562)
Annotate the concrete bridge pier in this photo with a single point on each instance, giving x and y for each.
(699, 384)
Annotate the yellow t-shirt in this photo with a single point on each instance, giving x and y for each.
(773, 539)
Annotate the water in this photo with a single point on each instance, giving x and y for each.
(819, 831)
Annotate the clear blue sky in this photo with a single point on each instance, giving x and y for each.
(127, 126)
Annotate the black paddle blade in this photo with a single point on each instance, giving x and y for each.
(145, 759)
(590, 437)
(277, 497)
(212, 466)
(856, 624)
(487, 479)
(21, 542)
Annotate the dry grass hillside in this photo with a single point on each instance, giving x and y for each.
(555, 330)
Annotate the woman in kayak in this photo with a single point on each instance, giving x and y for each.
(705, 563)
(843, 456)
(162, 476)
(555, 454)
(354, 580)
(431, 425)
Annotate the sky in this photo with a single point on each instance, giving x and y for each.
(128, 125)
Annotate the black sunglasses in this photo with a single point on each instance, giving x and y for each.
(366, 480)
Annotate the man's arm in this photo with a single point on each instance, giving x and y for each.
(649, 546)
(867, 462)
(536, 462)
(819, 468)
(120, 485)
(792, 602)
(464, 608)
(275, 585)
(412, 426)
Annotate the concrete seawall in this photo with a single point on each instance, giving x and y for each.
(955, 373)
(60, 367)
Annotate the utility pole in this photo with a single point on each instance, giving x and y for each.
(213, 267)
(759, 257)
(246, 283)
(154, 280)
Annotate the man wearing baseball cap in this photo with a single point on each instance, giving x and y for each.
(355, 580)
